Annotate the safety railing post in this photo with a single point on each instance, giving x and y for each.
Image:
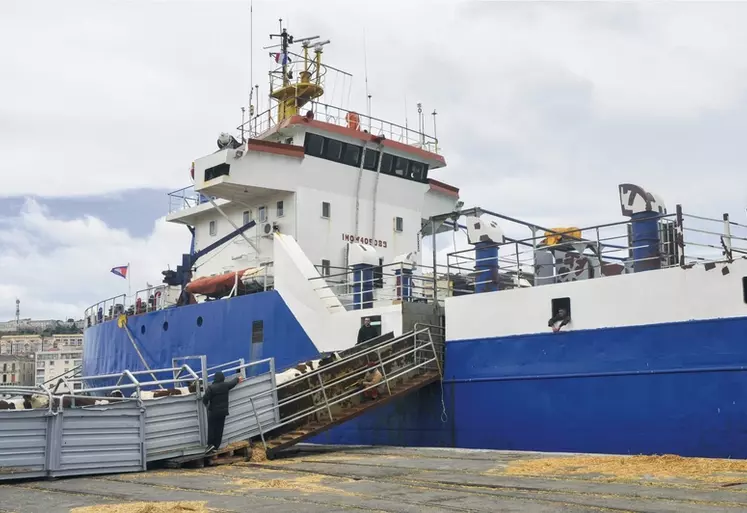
(259, 424)
(383, 372)
(435, 354)
(324, 394)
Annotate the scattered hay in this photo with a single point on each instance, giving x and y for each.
(305, 484)
(258, 454)
(667, 466)
(146, 507)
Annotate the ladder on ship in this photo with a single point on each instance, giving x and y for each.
(333, 394)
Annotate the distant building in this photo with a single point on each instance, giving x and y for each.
(16, 370)
(27, 345)
(19, 345)
(38, 326)
(51, 365)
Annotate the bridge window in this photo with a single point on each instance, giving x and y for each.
(352, 155)
(258, 332)
(279, 209)
(387, 164)
(398, 224)
(325, 209)
(262, 212)
(314, 145)
(216, 171)
(333, 150)
(371, 160)
(213, 229)
(325, 268)
(402, 167)
(246, 217)
(744, 288)
(417, 171)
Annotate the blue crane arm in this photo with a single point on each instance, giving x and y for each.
(183, 272)
(207, 249)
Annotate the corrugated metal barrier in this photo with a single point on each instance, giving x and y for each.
(173, 427)
(23, 444)
(244, 421)
(98, 440)
(60, 439)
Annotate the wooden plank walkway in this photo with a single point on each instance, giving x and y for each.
(232, 453)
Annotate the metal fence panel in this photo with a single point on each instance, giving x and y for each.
(241, 423)
(173, 427)
(23, 443)
(99, 440)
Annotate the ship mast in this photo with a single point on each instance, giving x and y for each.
(293, 92)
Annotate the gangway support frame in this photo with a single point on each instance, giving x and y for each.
(333, 394)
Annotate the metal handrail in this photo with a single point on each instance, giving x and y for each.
(261, 124)
(134, 382)
(350, 357)
(338, 380)
(37, 390)
(328, 404)
(241, 368)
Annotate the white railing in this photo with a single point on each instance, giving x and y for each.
(184, 198)
(260, 125)
(155, 298)
(601, 250)
(390, 284)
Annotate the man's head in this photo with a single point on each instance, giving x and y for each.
(366, 321)
(219, 377)
(562, 312)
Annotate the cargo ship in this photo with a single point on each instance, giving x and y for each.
(311, 220)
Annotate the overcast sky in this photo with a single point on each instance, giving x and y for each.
(543, 108)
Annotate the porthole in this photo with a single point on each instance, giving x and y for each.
(166, 326)
(199, 321)
(142, 330)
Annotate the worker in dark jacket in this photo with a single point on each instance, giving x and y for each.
(216, 399)
(367, 332)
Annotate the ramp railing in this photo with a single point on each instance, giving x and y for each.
(325, 394)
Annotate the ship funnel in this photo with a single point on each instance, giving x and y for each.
(486, 236)
(644, 209)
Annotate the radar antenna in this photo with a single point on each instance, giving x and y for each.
(293, 92)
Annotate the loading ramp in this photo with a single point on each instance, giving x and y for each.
(333, 394)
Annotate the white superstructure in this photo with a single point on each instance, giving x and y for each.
(328, 177)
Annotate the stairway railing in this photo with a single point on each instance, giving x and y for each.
(319, 393)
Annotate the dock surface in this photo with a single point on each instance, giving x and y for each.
(317, 479)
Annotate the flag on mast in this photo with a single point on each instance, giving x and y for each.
(121, 271)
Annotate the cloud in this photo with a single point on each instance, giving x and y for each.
(60, 267)
(543, 108)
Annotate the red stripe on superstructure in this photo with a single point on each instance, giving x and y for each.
(288, 150)
(358, 134)
(443, 187)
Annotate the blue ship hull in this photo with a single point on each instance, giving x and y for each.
(666, 388)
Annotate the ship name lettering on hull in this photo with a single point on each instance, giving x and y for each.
(377, 243)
